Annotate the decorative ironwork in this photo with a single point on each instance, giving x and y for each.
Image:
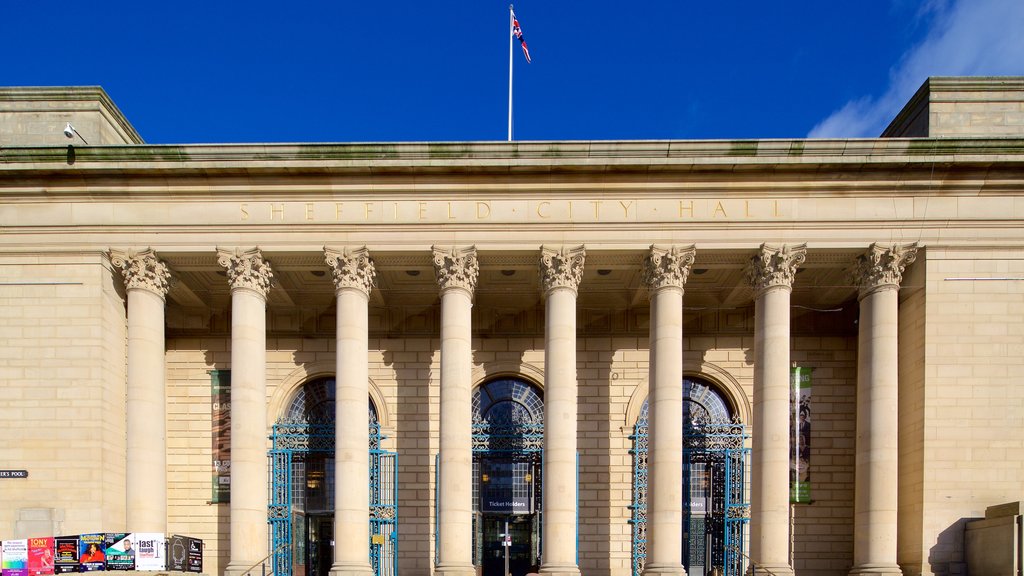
(306, 436)
(715, 461)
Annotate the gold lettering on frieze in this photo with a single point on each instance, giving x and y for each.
(337, 210)
(423, 211)
(309, 211)
(539, 206)
(368, 210)
(625, 207)
(720, 209)
(245, 212)
(685, 207)
(279, 210)
(597, 209)
(483, 210)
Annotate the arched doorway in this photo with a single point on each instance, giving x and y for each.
(301, 510)
(715, 461)
(508, 438)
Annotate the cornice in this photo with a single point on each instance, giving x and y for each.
(512, 157)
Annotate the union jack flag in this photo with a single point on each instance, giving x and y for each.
(518, 33)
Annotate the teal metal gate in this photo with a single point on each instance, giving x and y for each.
(298, 442)
(717, 511)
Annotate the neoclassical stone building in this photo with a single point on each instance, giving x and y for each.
(564, 357)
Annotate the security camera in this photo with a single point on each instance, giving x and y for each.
(69, 130)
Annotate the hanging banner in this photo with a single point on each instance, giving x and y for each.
(149, 551)
(800, 435)
(15, 558)
(220, 420)
(40, 556)
(66, 548)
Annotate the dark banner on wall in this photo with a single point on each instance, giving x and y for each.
(184, 554)
(220, 419)
(800, 436)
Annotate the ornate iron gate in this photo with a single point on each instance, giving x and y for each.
(715, 491)
(508, 435)
(296, 442)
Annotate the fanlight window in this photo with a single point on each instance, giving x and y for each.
(701, 404)
(314, 403)
(507, 402)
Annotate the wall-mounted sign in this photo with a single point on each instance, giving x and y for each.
(13, 473)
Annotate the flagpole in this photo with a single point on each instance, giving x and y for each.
(510, 17)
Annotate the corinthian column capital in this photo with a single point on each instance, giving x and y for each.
(668, 267)
(142, 269)
(456, 268)
(881, 267)
(561, 267)
(247, 269)
(775, 266)
(352, 268)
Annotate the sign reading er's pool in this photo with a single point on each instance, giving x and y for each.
(506, 488)
(13, 473)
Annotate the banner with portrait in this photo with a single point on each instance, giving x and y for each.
(800, 436)
(220, 422)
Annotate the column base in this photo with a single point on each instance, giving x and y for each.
(351, 569)
(877, 569)
(560, 570)
(651, 569)
(455, 570)
(771, 569)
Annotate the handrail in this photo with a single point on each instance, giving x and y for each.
(263, 561)
(753, 564)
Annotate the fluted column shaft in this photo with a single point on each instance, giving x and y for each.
(354, 277)
(250, 278)
(772, 272)
(456, 272)
(146, 281)
(878, 275)
(665, 274)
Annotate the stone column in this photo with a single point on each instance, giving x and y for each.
(561, 271)
(354, 277)
(771, 274)
(146, 280)
(250, 277)
(665, 273)
(878, 274)
(456, 271)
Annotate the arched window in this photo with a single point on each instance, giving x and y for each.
(314, 403)
(702, 404)
(507, 402)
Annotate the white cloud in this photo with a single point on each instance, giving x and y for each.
(968, 38)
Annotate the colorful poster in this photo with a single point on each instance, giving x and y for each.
(150, 553)
(119, 551)
(220, 382)
(40, 556)
(15, 558)
(800, 436)
(91, 555)
(66, 548)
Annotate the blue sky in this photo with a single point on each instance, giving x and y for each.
(388, 70)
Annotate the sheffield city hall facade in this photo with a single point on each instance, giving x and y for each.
(600, 358)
